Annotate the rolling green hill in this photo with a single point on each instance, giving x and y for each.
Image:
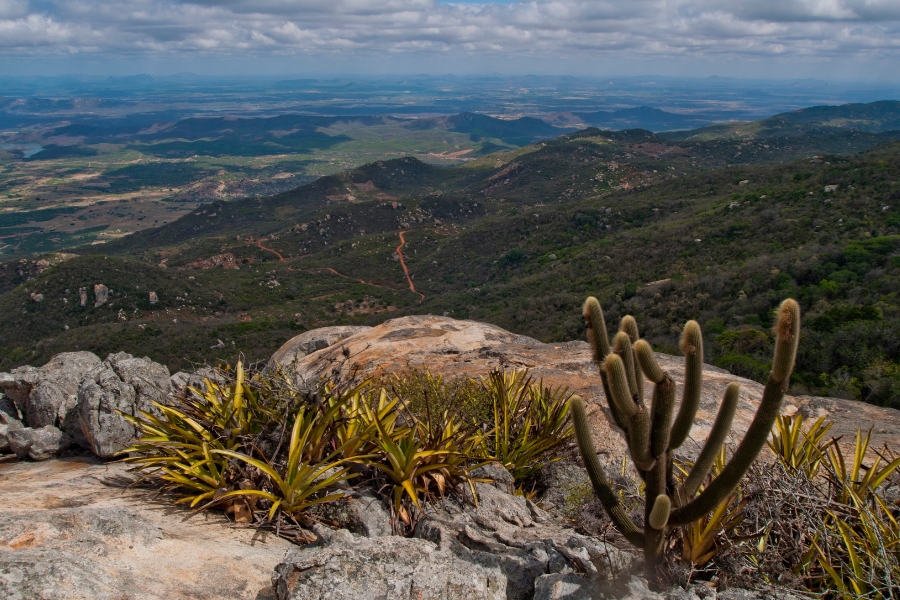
(874, 117)
(667, 230)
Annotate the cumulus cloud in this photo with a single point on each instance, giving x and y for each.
(540, 28)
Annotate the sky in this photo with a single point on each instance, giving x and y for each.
(825, 39)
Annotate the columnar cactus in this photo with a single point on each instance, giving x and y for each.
(652, 435)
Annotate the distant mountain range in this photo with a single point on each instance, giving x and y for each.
(642, 117)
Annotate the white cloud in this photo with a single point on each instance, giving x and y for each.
(543, 29)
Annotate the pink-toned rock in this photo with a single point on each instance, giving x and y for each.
(468, 348)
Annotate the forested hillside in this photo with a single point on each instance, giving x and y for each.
(666, 230)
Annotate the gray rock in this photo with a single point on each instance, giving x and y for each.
(82, 296)
(121, 385)
(47, 395)
(181, 380)
(345, 567)
(36, 444)
(562, 482)
(311, 341)
(71, 529)
(499, 476)
(7, 425)
(8, 410)
(153, 298)
(362, 514)
(101, 295)
(525, 541)
(569, 586)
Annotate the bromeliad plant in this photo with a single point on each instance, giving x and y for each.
(180, 442)
(238, 443)
(653, 432)
(420, 460)
(299, 483)
(531, 423)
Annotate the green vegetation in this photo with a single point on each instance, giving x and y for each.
(652, 436)
(531, 423)
(256, 446)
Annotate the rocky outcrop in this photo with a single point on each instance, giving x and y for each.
(101, 295)
(77, 399)
(47, 395)
(72, 530)
(505, 542)
(122, 384)
(344, 567)
(306, 343)
(468, 348)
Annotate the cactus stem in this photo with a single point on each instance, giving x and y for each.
(622, 347)
(648, 363)
(692, 347)
(714, 442)
(663, 408)
(596, 326)
(618, 386)
(788, 331)
(608, 498)
(659, 515)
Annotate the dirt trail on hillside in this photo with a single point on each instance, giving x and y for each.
(398, 250)
(409, 280)
(259, 244)
(275, 252)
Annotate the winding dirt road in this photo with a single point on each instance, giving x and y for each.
(275, 252)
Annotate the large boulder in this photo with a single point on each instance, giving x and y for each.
(451, 347)
(47, 395)
(345, 567)
(312, 341)
(506, 541)
(121, 385)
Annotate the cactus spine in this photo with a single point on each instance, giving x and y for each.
(652, 435)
